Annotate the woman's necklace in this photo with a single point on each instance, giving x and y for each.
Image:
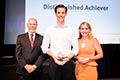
(83, 45)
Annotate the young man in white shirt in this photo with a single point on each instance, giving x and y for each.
(60, 43)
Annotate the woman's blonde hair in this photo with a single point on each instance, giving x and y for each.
(90, 36)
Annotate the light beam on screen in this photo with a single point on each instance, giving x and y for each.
(14, 20)
(102, 15)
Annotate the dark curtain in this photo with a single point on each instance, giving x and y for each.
(109, 66)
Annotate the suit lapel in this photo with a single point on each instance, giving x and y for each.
(27, 40)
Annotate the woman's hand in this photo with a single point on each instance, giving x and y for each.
(83, 60)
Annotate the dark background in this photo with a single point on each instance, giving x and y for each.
(109, 66)
(2, 19)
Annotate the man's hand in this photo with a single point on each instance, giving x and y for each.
(30, 68)
(61, 61)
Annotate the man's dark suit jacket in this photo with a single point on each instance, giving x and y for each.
(25, 54)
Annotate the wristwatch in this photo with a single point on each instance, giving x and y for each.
(34, 66)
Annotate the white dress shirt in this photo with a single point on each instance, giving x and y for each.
(60, 39)
(30, 35)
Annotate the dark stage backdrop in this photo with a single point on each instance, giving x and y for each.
(108, 67)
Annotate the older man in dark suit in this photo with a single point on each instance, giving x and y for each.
(29, 54)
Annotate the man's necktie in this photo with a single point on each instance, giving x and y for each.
(31, 40)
